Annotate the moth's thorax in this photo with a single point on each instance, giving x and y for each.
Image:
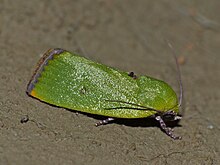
(156, 94)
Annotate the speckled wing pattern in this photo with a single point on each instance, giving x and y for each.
(68, 80)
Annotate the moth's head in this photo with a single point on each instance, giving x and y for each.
(171, 116)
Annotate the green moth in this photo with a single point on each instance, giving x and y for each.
(68, 80)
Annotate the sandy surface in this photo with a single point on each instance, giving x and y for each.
(128, 35)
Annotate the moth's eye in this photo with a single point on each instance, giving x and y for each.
(169, 116)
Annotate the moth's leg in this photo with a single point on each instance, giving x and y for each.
(106, 121)
(166, 129)
(131, 74)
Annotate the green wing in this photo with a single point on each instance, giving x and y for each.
(71, 81)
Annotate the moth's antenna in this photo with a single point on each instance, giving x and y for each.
(178, 74)
(143, 107)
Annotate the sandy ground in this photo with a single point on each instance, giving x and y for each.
(129, 35)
